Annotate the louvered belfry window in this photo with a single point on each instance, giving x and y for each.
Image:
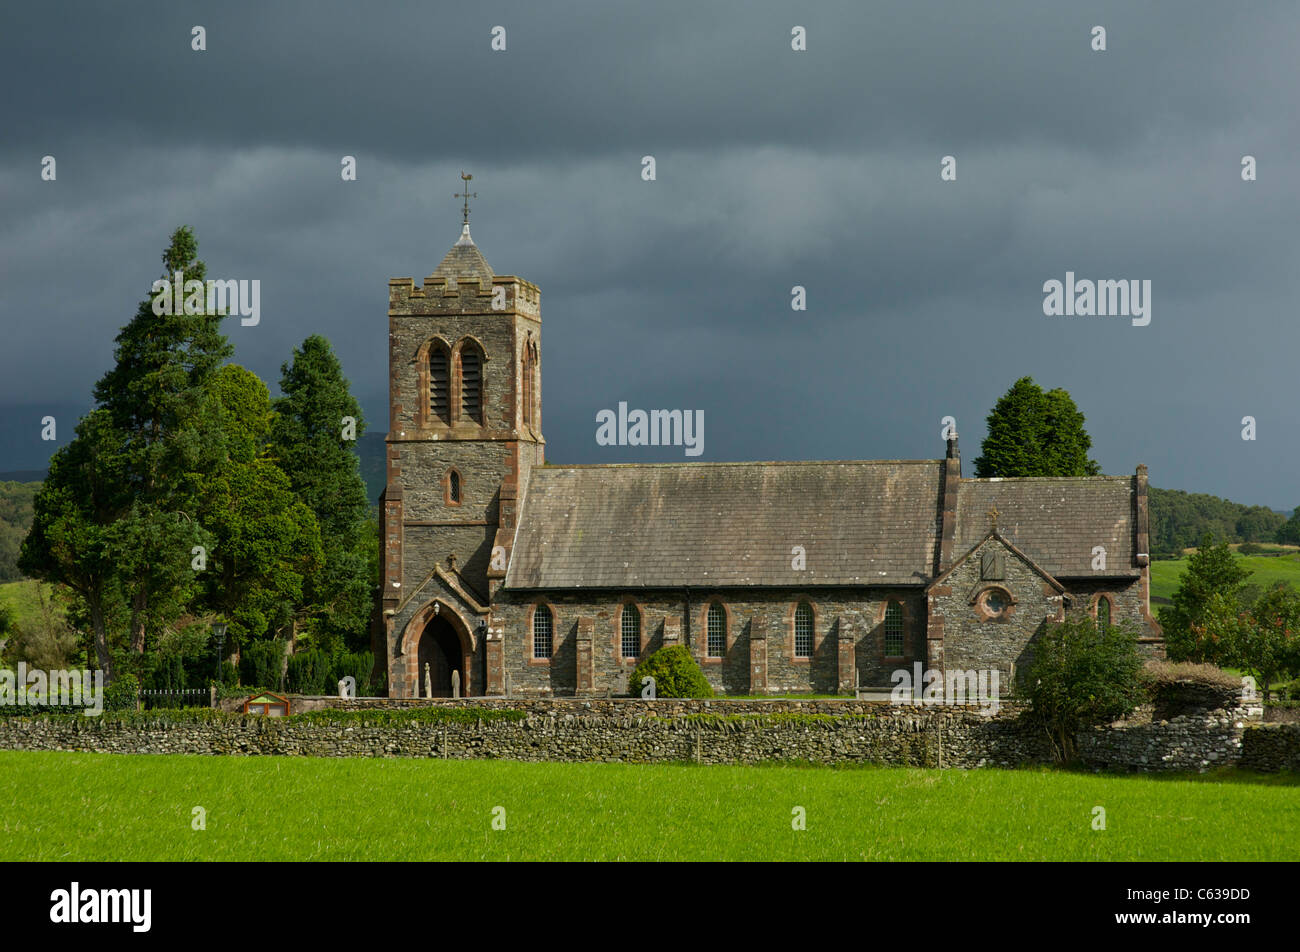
(439, 385)
(527, 395)
(471, 385)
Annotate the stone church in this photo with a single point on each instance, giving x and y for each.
(529, 578)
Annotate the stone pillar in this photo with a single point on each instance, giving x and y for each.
(496, 662)
(758, 656)
(847, 677)
(586, 675)
(672, 632)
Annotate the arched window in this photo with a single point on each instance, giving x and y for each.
(1103, 613)
(803, 630)
(532, 384)
(631, 631)
(453, 488)
(894, 630)
(525, 385)
(528, 383)
(717, 631)
(471, 383)
(439, 384)
(543, 632)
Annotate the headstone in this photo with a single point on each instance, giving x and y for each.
(455, 684)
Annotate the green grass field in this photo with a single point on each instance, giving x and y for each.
(22, 596)
(66, 806)
(1266, 570)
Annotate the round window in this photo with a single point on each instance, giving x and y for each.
(995, 602)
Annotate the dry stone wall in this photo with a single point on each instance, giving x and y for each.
(732, 732)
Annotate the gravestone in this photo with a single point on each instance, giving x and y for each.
(455, 684)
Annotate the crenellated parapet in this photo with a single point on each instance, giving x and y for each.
(440, 296)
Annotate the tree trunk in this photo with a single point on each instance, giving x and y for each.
(138, 604)
(102, 654)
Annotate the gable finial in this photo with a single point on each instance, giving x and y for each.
(467, 195)
(993, 516)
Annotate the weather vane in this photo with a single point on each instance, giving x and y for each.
(467, 194)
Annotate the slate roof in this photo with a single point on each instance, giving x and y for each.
(707, 525)
(1056, 521)
(464, 261)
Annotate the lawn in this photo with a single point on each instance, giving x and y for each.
(1266, 570)
(70, 806)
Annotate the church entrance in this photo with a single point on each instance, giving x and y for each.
(440, 654)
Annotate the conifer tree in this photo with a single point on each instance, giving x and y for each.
(1032, 433)
(265, 540)
(314, 445)
(116, 518)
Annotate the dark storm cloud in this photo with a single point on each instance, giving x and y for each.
(774, 169)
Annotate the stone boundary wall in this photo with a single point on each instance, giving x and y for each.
(1271, 747)
(712, 731)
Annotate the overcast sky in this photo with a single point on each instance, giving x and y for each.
(775, 168)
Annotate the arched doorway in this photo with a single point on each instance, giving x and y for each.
(441, 650)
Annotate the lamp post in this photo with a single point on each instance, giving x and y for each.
(219, 632)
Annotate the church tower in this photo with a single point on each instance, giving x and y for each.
(464, 431)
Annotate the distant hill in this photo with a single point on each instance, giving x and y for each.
(1179, 520)
(24, 476)
(15, 519)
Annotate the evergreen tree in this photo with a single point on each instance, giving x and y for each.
(158, 397)
(265, 540)
(1032, 433)
(308, 443)
(116, 518)
(1212, 570)
(73, 513)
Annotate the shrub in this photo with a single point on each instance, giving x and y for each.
(168, 675)
(1081, 676)
(123, 694)
(359, 664)
(311, 672)
(261, 663)
(675, 672)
